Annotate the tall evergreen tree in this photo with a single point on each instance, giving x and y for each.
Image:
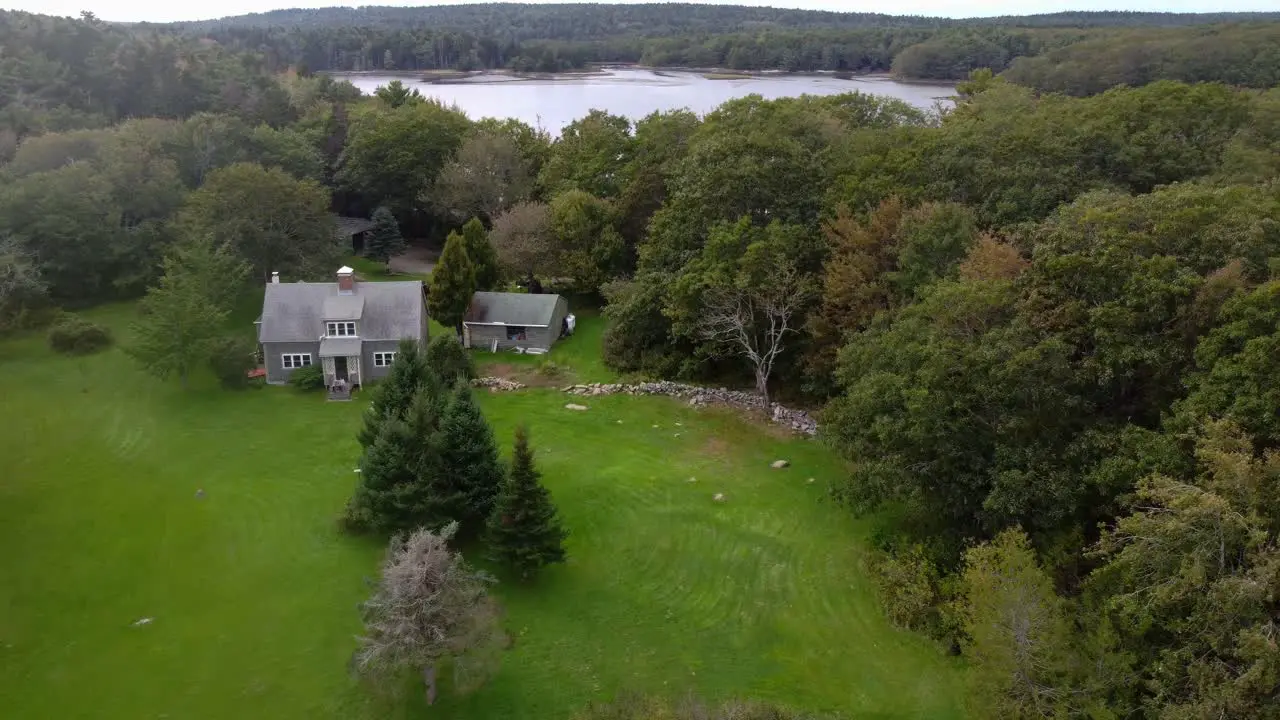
(401, 470)
(453, 282)
(470, 472)
(524, 530)
(394, 395)
(483, 257)
(385, 240)
(390, 497)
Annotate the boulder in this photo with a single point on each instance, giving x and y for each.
(779, 464)
(575, 406)
(718, 497)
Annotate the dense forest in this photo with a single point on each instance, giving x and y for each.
(559, 37)
(1042, 328)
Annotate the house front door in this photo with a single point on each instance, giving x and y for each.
(340, 368)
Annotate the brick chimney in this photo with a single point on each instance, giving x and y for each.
(346, 281)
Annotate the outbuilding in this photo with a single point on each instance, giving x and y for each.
(499, 321)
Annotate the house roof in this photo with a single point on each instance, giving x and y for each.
(345, 226)
(339, 347)
(294, 312)
(343, 307)
(493, 308)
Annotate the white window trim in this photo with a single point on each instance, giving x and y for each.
(299, 360)
(384, 359)
(338, 328)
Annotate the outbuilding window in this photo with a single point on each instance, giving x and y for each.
(296, 360)
(383, 359)
(515, 332)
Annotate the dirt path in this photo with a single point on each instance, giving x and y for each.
(415, 261)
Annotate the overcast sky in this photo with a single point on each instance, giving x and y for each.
(167, 10)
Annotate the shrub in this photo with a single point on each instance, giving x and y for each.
(551, 369)
(231, 358)
(449, 360)
(73, 335)
(308, 378)
(913, 593)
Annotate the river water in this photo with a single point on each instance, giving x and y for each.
(554, 103)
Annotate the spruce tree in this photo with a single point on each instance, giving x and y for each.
(449, 360)
(524, 530)
(390, 497)
(384, 241)
(401, 470)
(483, 257)
(393, 396)
(470, 472)
(453, 282)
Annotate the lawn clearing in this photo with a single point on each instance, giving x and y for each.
(253, 592)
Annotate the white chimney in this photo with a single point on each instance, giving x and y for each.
(275, 278)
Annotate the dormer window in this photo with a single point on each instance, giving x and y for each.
(340, 329)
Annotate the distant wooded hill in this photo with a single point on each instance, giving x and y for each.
(550, 38)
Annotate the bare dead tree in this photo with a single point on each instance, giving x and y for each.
(429, 607)
(753, 322)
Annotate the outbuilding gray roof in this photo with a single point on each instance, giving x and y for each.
(339, 347)
(345, 226)
(294, 312)
(492, 308)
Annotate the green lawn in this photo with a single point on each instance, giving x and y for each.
(254, 592)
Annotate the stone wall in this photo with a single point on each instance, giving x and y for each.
(797, 420)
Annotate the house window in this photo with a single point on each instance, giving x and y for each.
(340, 329)
(383, 359)
(515, 332)
(296, 360)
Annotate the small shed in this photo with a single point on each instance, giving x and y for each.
(514, 320)
(352, 230)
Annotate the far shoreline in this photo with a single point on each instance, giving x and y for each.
(498, 76)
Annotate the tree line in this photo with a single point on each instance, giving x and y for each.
(559, 37)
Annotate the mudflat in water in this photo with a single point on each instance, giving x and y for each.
(554, 102)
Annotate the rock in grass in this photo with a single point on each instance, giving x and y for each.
(143, 621)
(718, 497)
(692, 479)
(810, 480)
(575, 406)
(779, 464)
(199, 493)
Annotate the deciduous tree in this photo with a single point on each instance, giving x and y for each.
(522, 238)
(275, 221)
(486, 177)
(182, 317)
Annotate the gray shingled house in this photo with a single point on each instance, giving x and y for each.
(350, 328)
(508, 320)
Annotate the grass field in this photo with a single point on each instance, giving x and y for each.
(253, 592)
